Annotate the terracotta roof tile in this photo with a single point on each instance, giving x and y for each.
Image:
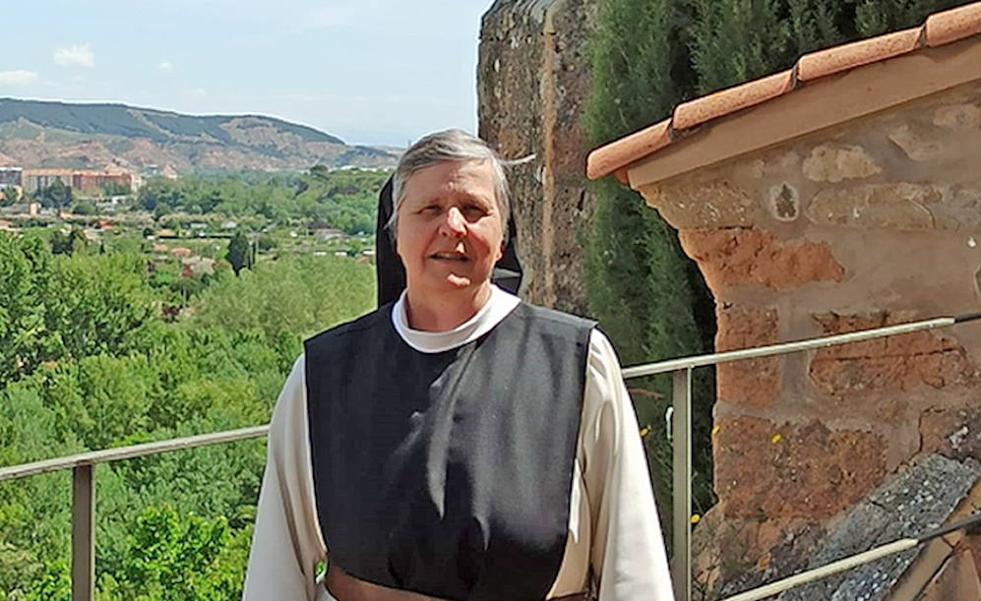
(952, 25)
(940, 29)
(719, 104)
(624, 151)
(842, 58)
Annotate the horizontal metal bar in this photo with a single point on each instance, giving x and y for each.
(970, 524)
(824, 571)
(661, 367)
(140, 450)
(853, 561)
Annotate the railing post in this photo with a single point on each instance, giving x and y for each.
(681, 451)
(83, 533)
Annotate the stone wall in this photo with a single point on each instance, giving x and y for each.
(871, 223)
(533, 78)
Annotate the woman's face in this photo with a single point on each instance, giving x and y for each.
(449, 232)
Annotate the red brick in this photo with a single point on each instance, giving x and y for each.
(754, 382)
(896, 363)
(767, 470)
(748, 256)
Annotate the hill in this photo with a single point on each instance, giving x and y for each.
(57, 134)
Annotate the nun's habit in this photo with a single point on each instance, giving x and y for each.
(499, 461)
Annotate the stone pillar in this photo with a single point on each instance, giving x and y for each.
(870, 223)
(533, 79)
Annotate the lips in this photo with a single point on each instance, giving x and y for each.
(449, 256)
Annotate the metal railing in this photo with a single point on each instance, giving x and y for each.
(681, 372)
(83, 491)
(83, 465)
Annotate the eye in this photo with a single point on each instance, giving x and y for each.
(432, 209)
(474, 211)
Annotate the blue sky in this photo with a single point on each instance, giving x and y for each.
(369, 71)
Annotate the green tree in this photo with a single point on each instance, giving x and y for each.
(115, 189)
(737, 40)
(175, 557)
(320, 172)
(646, 294)
(70, 243)
(345, 199)
(97, 304)
(26, 272)
(354, 248)
(159, 194)
(287, 300)
(22, 330)
(94, 377)
(266, 243)
(239, 253)
(18, 569)
(874, 17)
(54, 584)
(8, 195)
(85, 208)
(57, 195)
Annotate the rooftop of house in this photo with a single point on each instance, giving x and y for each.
(810, 72)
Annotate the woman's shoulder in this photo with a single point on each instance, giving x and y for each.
(553, 317)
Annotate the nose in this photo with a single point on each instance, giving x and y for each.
(453, 223)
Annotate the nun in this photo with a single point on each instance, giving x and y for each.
(457, 443)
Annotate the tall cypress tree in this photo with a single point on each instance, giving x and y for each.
(874, 17)
(736, 41)
(642, 288)
(239, 253)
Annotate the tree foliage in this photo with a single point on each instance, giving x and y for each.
(645, 293)
(239, 253)
(56, 195)
(174, 557)
(86, 362)
(345, 200)
(68, 244)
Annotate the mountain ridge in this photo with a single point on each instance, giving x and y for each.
(45, 133)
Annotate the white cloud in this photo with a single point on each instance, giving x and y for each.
(166, 66)
(76, 55)
(18, 78)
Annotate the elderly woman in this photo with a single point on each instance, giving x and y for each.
(457, 444)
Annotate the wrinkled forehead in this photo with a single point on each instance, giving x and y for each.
(473, 179)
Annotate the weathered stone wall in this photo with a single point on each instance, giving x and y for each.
(871, 223)
(533, 78)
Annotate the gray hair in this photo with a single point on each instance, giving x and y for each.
(451, 145)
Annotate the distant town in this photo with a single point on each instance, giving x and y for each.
(16, 182)
(184, 225)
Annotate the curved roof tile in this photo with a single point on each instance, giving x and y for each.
(704, 109)
(842, 58)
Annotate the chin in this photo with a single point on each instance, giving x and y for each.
(457, 282)
(451, 282)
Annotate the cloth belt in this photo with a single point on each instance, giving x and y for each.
(348, 588)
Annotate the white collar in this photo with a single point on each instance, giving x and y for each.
(498, 306)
